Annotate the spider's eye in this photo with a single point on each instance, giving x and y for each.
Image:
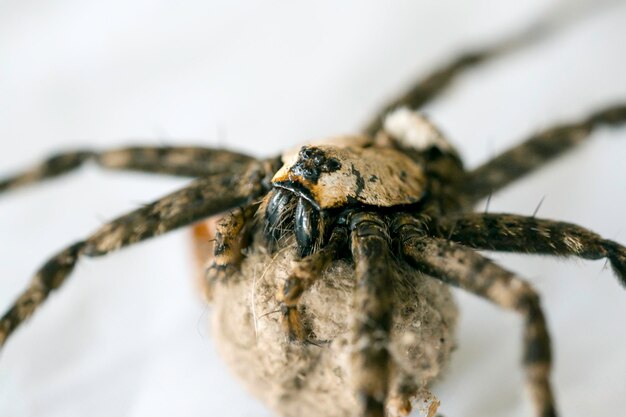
(333, 164)
(306, 152)
(331, 177)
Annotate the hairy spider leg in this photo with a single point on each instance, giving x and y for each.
(535, 152)
(304, 273)
(513, 233)
(202, 198)
(232, 236)
(186, 161)
(461, 267)
(428, 88)
(373, 310)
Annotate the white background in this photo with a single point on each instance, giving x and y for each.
(127, 335)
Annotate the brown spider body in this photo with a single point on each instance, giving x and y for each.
(355, 235)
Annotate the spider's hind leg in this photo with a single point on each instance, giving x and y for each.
(463, 267)
(536, 152)
(431, 86)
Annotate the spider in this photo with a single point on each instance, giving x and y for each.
(396, 196)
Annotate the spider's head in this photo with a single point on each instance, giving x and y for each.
(320, 181)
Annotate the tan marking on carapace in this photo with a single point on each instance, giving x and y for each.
(381, 177)
(347, 141)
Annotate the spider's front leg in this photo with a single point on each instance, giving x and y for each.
(186, 161)
(513, 233)
(203, 198)
(462, 267)
(373, 309)
(536, 152)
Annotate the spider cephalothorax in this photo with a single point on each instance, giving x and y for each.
(319, 186)
(360, 235)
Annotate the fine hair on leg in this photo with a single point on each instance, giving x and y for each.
(202, 198)
(429, 87)
(535, 152)
(186, 161)
(524, 234)
(462, 267)
(373, 310)
(231, 238)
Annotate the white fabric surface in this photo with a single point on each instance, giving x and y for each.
(127, 335)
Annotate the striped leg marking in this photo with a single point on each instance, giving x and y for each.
(431, 86)
(373, 309)
(462, 267)
(536, 152)
(186, 161)
(231, 238)
(513, 233)
(203, 198)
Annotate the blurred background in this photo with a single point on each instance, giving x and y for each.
(128, 335)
